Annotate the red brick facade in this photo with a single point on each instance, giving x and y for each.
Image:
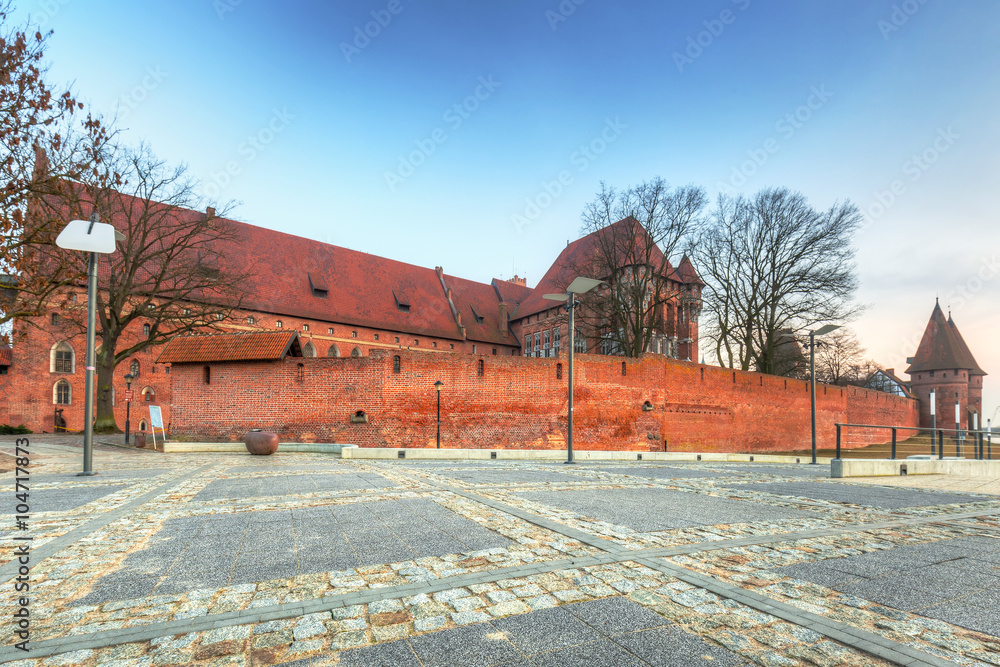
(512, 402)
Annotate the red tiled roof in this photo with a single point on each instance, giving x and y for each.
(577, 255)
(6, 355)
(687, 273)
(474, 300)
(511, 293)
(942, 348)
(966, 352)
(251, 346)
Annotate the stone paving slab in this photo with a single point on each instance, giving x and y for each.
(885, 498)
(300, 559)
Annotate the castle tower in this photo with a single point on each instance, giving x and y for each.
(943, 362)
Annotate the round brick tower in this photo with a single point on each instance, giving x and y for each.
(944, 363)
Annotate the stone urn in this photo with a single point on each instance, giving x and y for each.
(261, 443)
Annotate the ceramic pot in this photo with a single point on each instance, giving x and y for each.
(261, 443)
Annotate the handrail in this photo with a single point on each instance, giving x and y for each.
(981, 438)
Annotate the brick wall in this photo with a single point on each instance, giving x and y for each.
(519, 403)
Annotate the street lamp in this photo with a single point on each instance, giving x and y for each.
(94, 238)
(822, 331)
(128, 402)
(578, 286)
(438, 385)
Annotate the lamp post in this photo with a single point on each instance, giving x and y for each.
(95, 238)
(989, 439)
(128, 402)
(579, 285)
(933, 419)
(822, 331)
(438, 385)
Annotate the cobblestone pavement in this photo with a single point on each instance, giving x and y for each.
(304, 559)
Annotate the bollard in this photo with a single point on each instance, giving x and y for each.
(893, 443)
(940, 445)
(838, 441)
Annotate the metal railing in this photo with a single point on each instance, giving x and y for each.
(982, 440)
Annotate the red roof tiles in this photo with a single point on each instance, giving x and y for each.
(6, 355)
(942, 348)
(251, 346)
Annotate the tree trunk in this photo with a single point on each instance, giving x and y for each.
(105, 419)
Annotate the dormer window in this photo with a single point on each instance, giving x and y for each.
(479, 318)
(318, 286)
(402, 303)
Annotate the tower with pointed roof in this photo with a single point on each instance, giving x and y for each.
(945, 363)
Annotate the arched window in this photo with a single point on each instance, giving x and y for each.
(148, 395)
(334, 351)
(62, 393)
(309, 350)
(62, 359)
(134, 368)
(356, 352)
(145, 330)
(142, 426)
(480, 368)
(396, 364)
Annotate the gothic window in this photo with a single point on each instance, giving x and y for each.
(134, 368)
(538, 343)
(545, 343)
(61, 358)
(527, 345)
(62, 393)
(334, 351)
(356, 352)
(146, 329)
(580, 343)
(396, 363)
(309, 350)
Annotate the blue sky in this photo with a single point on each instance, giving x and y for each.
(321, 130)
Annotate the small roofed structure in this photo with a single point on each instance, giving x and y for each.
(6, 356)
(244, 346)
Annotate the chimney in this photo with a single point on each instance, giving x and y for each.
(439, 271)
(503, 318)
(210, 212)
(890, 371)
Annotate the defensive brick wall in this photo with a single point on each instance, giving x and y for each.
(650, 403)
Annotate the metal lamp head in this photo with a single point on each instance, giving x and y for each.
(128, 379)
(826, 328)
(438, 385)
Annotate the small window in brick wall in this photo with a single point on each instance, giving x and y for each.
(55, 319)
(300, 372)
(623, 368)
(206, 374)
(278, 324)
(396, 364)
(146, 329)
(250, 319)
(559, 371)
(480, 368)
(494, 352)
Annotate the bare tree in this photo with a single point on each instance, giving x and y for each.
(634, 232)
(840, 358)
(774, 265)
(170, 273)
(45, 141)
